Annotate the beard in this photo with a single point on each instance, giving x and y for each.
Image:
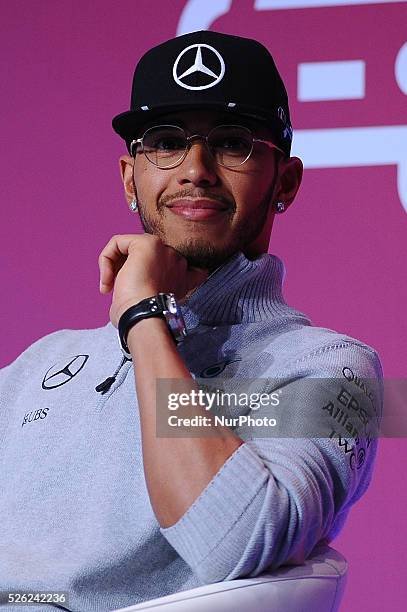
(198, 251)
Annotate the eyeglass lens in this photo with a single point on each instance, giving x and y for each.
(166, 145)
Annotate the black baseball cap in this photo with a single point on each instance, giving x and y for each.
(208, 70)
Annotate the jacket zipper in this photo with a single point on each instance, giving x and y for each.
(104, 386)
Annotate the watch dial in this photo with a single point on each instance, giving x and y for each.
(174, 318)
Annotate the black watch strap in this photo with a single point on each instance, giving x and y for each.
(155, 306)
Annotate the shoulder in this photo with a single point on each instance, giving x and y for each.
(59, 344)
(318, 349)
(330, 383)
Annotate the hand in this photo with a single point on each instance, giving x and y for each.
(139, 266)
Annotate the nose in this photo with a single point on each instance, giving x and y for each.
(199, 167)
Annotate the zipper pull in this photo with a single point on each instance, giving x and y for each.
(104, 386)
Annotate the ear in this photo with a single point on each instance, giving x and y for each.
(126, 173)
(290, 171)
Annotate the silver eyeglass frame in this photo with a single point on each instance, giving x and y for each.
(139, 141)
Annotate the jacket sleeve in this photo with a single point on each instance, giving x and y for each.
(278, 495)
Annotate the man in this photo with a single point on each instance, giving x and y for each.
(96, 502)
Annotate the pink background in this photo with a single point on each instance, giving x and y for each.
(67, 68)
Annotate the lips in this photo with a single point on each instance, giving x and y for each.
(197, 209)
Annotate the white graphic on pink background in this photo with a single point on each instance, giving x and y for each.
(333, 80)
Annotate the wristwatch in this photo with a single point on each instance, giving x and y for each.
(163, 305)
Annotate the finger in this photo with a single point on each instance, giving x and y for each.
(112, 258)
(108, 272)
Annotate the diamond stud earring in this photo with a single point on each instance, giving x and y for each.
(134, 205)
(280, 207)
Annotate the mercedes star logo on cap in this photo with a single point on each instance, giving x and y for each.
(199, 66)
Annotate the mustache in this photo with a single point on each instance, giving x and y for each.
(196, 193)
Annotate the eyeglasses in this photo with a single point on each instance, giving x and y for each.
(166, 146)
